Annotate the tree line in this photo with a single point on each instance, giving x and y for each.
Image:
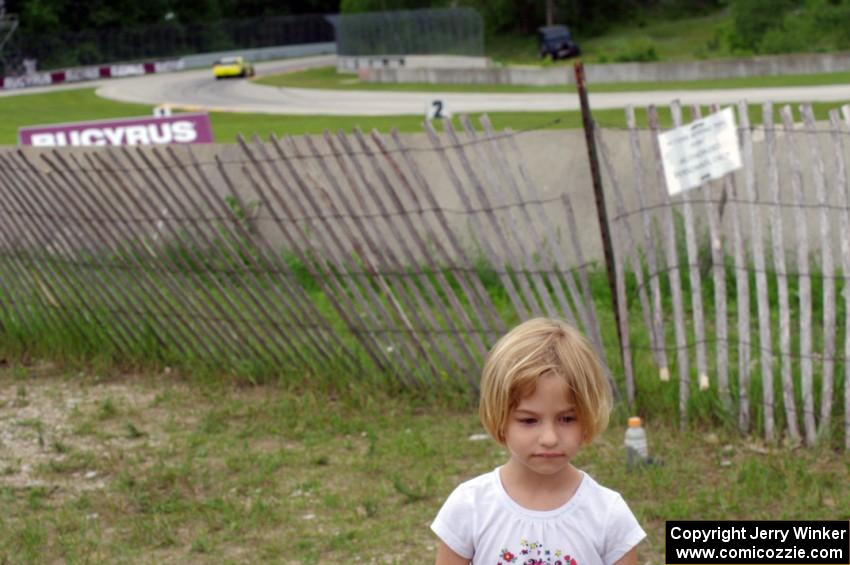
(589, 16)
(755, 26)
(62, 16)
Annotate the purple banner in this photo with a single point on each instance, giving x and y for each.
(179, 128)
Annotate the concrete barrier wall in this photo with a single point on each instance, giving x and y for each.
(264, 54)
(621, 72)
(352, 65)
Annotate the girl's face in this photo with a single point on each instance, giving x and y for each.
(543, 433)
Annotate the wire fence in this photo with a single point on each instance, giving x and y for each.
(713, 263)
(450, 31)
(311, 254)
(407, 257)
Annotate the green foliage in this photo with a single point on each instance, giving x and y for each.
(39, 16)
(789, 26)
(753, 18)
(640, 52)
(360, 6)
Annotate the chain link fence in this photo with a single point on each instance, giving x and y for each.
(454, 31)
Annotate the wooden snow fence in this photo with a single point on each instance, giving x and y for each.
(310, 253)
(740, 286)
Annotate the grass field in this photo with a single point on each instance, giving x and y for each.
(82, 104)
(685, 39)
(99, 465)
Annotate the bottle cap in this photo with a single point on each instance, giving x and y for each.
(634, 422)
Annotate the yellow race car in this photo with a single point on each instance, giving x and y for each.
(232, 67)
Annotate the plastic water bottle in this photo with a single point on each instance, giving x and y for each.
(635, 442)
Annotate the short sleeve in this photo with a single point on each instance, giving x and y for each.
(622, 531)
(454, 522)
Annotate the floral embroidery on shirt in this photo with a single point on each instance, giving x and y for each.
(534, 554)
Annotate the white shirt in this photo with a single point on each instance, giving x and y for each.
(480, 522)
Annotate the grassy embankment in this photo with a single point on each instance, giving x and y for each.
(684, 39)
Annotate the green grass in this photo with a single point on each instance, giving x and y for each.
(59, 107)
(82, 104)
(236, 474)
(328, 78)
(684, 39)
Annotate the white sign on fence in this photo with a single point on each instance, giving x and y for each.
(700, 151)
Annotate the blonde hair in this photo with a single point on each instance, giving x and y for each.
(534, 348)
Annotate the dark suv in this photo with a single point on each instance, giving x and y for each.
(557, 42)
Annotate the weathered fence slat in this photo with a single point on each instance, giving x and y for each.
(467, 330)
(742, 301)
(450, 343)
(465, 360)
(656, 327)
(492, 324)
(414, 348)
(588, 309)
(305, 194)
(86, 265)
(718, 272)
(25, 194)
(486, 246)
(694, 277)
(623, 247)
(85, 283)
(673, 272)
(227, 309)
(267, 312)
(583, 312)
(76, 195)
(370, 341)
(765, 342)
(781, 273)
(838, 133)
(53, 229)
(28, 279)
(454, 333)
(202, 300)
(497, 197)
(162, 270)
(554, 258)
(293, 299)
(519, 270)
(380, 313)
(28, 271)
(321, 273)
(251, 305)
(11, 299)
(827, 271)
(804, 278)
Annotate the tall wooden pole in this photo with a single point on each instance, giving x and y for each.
(599, 197)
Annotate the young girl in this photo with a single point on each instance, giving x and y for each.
(543, 397)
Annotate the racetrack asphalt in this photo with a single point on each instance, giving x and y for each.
(197, 90)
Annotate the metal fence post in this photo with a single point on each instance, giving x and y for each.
(599, 196)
